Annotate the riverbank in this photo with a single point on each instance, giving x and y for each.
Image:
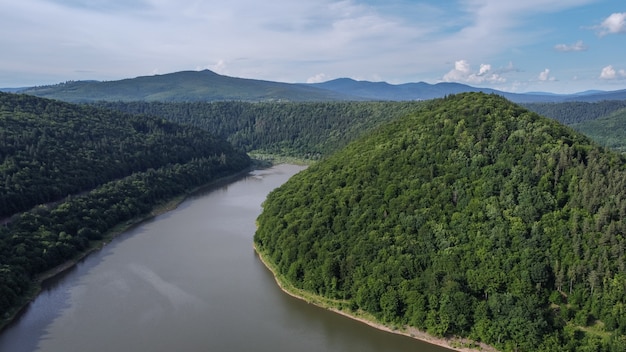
(339, 307)
(94, 246)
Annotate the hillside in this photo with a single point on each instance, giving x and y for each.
(185, 86)
(570, 113)
(51, 149)
(609, 130)
(306, 130)
(470, 217)
(73, 173)
(311, 130)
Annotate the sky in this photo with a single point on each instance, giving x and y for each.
(559, 46)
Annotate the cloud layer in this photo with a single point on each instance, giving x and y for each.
(48, 41)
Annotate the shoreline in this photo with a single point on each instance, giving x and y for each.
(39, 281)
(453, 344)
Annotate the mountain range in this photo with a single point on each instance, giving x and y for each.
(425, 91)
(191, 86)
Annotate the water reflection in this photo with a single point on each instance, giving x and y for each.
(189, 281)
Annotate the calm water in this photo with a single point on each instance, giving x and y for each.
(189, 280)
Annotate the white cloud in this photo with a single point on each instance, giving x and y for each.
(484, 69)
(578, 46)
(545, 76)
(462, 72)
(615, 23)
(318, 78)
(219, 67)
(609, 73)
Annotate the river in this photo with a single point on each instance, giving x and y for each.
(189, 280)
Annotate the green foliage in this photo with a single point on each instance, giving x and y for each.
(576, 112)
(472, 217)
(94, 169)
(304, 130)
(50, 150)
(604, 122)
(609, 130)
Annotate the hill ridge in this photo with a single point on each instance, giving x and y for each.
(206, 85)
(470, 217)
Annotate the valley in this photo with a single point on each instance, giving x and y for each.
(463, 215)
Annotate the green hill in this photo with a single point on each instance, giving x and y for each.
(186, 86)
(471, 217)
(609, 130)
(52, 149)
(314, 129)
(70, 174)
(303, 129)
(577, 112)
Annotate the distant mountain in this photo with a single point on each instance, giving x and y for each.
(592, 96)
(12, 90)
(425, 91)
(185, 86)
(194, 86)
(386, 91)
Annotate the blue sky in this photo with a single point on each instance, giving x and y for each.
(560, 46)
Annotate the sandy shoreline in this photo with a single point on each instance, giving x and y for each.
(454, 344)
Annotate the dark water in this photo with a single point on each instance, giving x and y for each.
(189, 280)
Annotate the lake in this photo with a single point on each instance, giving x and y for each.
(189, 280)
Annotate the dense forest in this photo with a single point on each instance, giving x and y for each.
(576, 112)
(51, 149)
(465, 216)
(608, 130)
(72, 173)
(304, 130)
(604, 122)
(313, 130)
(470, 217)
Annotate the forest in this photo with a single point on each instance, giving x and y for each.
(472, 217)
(72, 173)
(307, 130)
(577, 112)
(466, 216)
(608, 130)
(312, 130)
(604, 122)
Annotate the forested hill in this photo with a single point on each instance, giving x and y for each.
(608, 130)
(90, 169)
(577, 112)
(306, 130)
(51, 149)
(471, 217)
